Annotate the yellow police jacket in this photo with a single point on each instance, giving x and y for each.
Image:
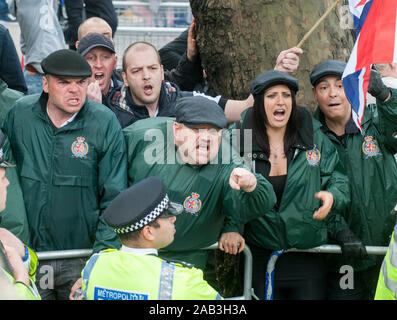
(118, 275)
(21, 291)
(387, 282)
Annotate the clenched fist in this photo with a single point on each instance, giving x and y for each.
(288, 60)
(242, 179)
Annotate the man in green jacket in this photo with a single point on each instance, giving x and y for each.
(70, 156)
(199, 172)
(13, 218)
(371, 169)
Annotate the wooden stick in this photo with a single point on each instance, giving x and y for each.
(326, 14)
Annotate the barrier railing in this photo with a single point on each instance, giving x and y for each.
(153, 14)
(328, 248)
(82, 253)
(157, 36)
(247, 289)
(156, 22)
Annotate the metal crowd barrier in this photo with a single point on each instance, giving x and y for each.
(83, 253)
(247, 289)
(153, 14)
(157, 36)
(142, 21)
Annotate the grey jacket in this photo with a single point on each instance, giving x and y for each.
(41, 33)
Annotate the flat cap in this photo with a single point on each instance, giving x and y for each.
(3, 163)
(326, 68)
(66, 63)
(139, 205)
(196, 110)
(94, 40)
(272, 78)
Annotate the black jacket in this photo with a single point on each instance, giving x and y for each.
(127, 112)
(93, 8)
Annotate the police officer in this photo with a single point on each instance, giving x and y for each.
(17, 262)
(143, 216)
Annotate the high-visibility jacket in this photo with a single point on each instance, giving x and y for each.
(119, 275)
(21, 290)
(387, 282)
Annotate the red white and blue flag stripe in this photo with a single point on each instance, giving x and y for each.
(359, 10)
(376, 43)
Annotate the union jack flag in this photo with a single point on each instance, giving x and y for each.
(375, 23)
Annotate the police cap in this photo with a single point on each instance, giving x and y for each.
(327, 68)
(196, 110)
(3, 163)
(94, 40)
(66, 63)
(272, 78)
(139, 205)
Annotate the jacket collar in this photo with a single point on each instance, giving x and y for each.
(350, 127)
(3, 86)
(168, 95)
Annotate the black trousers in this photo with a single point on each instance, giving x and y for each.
(298, 276)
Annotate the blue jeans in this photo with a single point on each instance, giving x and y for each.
(34, 82)
(3, 7)
(55, 278)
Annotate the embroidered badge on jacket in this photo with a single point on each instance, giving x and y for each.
(370, 147)
(313, 156)
(79, 148)
(192, 204)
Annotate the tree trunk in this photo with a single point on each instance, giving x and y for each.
(239, 39)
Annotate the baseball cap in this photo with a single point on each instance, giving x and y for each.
(94, 40)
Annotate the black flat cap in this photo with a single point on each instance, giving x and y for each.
(94, 40)
(66, 63)
(272, 78)
(327, 68)
(139, 205)
(3, 163)
(194, 111)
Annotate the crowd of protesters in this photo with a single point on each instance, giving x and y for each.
(136, 163)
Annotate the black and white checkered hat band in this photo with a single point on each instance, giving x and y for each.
(163, 205)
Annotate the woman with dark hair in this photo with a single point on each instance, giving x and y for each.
(285, 144)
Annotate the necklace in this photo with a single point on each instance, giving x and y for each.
(276, 154)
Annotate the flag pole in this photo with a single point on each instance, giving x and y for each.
(326, 14)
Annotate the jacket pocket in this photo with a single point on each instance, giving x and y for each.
(28, 172)
(68, 180)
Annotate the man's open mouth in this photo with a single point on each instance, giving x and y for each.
(99, 76)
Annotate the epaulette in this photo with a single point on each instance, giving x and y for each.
(182, 263)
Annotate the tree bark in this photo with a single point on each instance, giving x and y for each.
(239, 39)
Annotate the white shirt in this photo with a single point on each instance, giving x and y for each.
(67, 121)
(139, 251)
